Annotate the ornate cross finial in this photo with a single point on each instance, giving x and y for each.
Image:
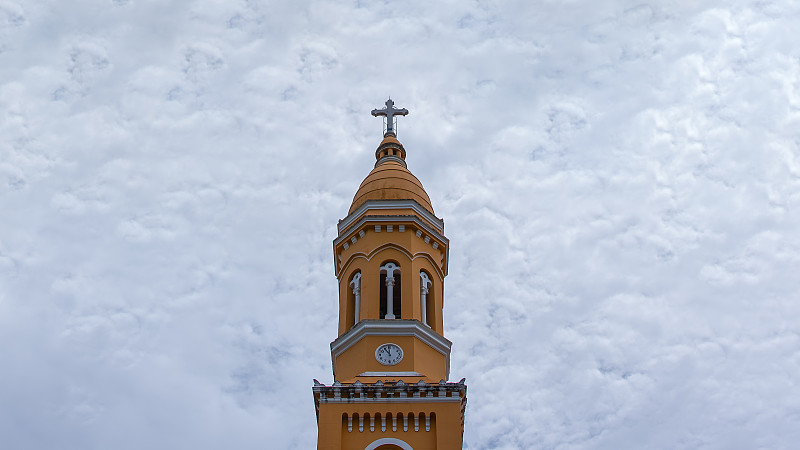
(389, 112)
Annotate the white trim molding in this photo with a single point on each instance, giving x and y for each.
(390, 394)
(390, 374)
(386, 441)
(394, 400)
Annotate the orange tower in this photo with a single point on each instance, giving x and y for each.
(390, 359)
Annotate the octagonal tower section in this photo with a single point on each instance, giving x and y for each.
(391, 259)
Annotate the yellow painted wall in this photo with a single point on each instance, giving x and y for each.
(417, 357)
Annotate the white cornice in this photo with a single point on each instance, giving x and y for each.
(390, 204)
(394, 220)
(400, 327)
(455, 399)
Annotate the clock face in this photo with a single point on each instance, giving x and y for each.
(389, 354)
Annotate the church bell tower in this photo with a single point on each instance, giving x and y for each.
(391, 361)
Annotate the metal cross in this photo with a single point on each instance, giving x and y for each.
(389, 112)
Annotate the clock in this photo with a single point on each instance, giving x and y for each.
(389, 354)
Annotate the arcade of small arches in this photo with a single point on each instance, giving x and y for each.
(406, 422)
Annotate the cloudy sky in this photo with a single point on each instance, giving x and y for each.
(620, 183)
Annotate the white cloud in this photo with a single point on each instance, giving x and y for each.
(619, 182)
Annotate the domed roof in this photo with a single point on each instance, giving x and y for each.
(390, 179)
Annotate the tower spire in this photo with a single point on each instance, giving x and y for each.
(389, 112)
(390, 359)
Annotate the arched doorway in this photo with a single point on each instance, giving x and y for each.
(388, 444)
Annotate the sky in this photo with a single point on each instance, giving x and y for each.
(619, 181)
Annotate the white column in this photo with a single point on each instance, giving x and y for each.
(390, 268)
(425, 283)
(389, 297)
(356, 285)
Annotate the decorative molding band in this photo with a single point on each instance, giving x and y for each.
(391, 400)
(390, 204)
(392, 158)
(378, 220)
(390, 374)
(397, 392)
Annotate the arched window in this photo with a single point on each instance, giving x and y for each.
(426, 293)
(383, 421)
(390, 294)
(390, 447)
(360, 422)
(347, 420)
(354, 301)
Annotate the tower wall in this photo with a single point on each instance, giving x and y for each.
(428, 417)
